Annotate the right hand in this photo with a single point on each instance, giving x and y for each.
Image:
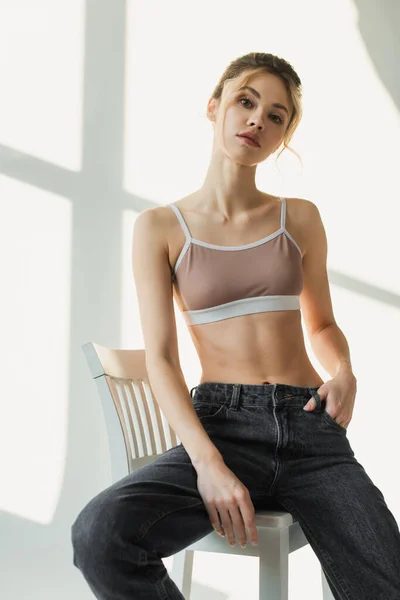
(222, 492)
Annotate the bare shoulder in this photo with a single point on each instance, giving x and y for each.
(302, 208)
(295, 221)
(169, 225)
(304, 221)
(309, 215)
(157, 222)
(151, 216)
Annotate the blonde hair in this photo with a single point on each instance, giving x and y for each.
(247, 66)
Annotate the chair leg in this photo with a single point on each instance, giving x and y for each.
(326, 590)
(274, 564)
(181, 572)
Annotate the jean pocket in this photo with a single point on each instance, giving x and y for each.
(207, 410)
(331, 421)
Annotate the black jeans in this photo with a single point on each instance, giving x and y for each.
(287, 458)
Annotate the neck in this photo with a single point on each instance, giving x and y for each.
(229, 188)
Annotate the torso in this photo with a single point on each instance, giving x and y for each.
(258, 348)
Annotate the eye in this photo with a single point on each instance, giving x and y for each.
(247, 100)
(279, 122)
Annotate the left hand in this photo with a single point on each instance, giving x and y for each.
(339, 393)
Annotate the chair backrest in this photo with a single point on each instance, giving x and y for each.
(137, 429)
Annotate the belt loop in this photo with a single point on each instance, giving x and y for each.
(318, 401)
(274, 394)
(234, 405)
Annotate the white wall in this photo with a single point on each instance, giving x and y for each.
(76, 167)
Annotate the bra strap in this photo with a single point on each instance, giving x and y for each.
(181, 220)
(283, 212)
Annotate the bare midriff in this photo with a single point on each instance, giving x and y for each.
(258, 348)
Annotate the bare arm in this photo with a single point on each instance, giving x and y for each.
(327, 339)
(152, 275)
(226, 499)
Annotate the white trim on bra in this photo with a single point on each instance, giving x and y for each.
(191, 240)
(242, 246)
(237, 308)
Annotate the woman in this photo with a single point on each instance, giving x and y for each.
(263, 430)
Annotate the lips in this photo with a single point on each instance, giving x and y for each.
(247, 137)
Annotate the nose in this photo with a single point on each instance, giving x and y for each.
(258, 122)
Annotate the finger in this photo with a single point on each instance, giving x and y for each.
(248, 514)
(227, 525)
(311, 404)
(214, 518)
(238, 525)
(333, 416)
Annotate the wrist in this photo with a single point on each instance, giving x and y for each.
(344, 366)
(207, 461)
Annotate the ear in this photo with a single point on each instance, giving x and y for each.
(212, 109)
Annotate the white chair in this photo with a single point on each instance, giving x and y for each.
(138, 432)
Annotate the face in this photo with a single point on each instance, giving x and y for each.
(245, 111)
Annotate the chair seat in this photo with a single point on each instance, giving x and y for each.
(274, 518)
(275, 524)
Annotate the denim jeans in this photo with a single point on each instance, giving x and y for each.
(288, 458)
